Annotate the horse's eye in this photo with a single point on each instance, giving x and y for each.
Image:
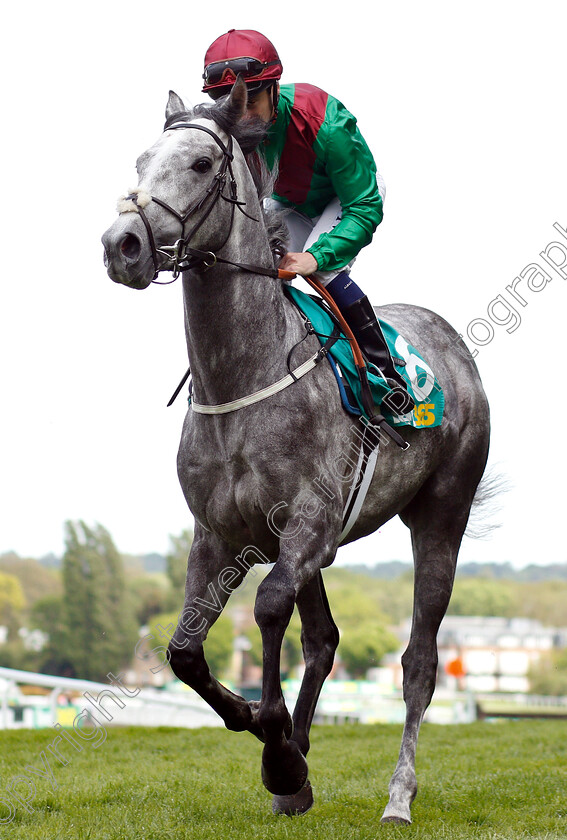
(202, 165)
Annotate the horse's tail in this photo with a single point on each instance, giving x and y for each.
(481, 521)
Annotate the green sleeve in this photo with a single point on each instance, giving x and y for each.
(350, 167)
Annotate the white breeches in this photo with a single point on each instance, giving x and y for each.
(304, 232)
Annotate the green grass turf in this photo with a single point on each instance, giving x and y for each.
(495, 781)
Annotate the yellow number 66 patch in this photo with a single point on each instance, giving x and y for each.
(424, 414)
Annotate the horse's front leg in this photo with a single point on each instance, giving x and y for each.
(284, 768)
(213, 572)
(319, 638)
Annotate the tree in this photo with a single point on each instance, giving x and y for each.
(354, 602)
(176, 560)
(49, 615)
(544, 601)
(96, 614)
(151, 595)
(365, 638)
(36, 580)
(363, 646)
(218, 645)
(549, 676)
(483, 597)
(12, 602)
(395, 597)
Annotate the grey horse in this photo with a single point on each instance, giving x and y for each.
(267, 480)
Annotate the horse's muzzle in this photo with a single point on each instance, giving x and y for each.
(127, 257)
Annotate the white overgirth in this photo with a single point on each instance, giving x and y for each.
(257, 396)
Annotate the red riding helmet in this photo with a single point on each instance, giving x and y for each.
(243, 51)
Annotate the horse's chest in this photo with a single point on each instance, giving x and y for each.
(234, 475)
(223, 495)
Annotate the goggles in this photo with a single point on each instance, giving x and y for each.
(249, 68)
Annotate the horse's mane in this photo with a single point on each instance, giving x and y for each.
(249, 134)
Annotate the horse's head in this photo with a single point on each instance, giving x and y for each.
(186, 194)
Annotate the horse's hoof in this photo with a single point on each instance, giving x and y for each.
(297, 803)
(396, 820)
(398, 809)
(284, 769)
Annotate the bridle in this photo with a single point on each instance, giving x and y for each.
(181, 256)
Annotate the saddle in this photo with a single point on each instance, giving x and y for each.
(363, 389)
(363, 394)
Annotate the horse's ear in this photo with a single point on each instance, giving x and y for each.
(234, 106)
(174, 105)
(239, 96)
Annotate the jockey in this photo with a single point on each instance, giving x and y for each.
(327, 181)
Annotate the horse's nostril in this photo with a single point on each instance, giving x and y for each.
(130, 246)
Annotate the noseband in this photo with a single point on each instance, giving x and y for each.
(180, 256)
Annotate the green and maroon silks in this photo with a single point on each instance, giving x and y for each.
(323, 155)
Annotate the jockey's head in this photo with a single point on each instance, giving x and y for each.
(251, 55)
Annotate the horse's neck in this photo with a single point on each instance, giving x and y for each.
(237, 331)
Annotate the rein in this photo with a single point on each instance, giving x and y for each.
(181, 256)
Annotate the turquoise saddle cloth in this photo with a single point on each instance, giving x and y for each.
(421, 381)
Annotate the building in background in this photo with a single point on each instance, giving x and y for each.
(496, 654)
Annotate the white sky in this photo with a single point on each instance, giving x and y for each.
(464, 109)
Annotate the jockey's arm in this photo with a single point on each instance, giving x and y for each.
(351, 169)
(302, 263)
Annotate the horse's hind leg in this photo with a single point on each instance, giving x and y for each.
(319, 639)
(437, 525)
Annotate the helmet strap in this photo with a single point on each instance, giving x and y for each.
(275, 96)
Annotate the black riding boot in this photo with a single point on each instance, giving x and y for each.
(361, 318)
